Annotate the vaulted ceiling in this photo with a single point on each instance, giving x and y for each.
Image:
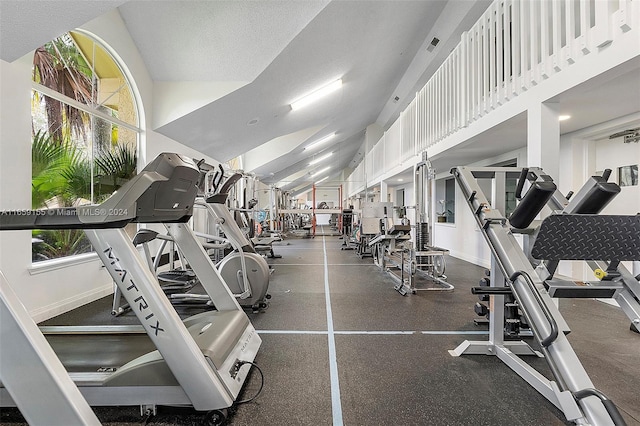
(226, 72)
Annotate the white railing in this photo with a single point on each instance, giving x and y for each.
(378, 161)
(512, 48)
(355, 181)
(392, 146)
(407, 132)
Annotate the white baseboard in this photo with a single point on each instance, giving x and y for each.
(471, 259)
(46, 312)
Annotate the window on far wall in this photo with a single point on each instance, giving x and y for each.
(446, 201)
(628, 175)
(84, 134)
(450, 200)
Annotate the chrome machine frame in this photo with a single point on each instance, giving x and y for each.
(199, 360)
(572, 390)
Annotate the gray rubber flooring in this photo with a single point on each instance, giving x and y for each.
(371, 356)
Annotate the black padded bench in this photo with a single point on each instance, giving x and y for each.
(587, 237)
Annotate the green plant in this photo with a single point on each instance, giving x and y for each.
(53, 163)
(60, 243)
(117, 163)
(114, 168)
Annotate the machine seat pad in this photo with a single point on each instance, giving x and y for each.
(588, 237)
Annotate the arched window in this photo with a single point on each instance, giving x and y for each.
(85, 131)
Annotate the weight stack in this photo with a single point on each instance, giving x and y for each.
(422, 242)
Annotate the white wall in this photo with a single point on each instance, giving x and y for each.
(44, 292)
(579, 158)
(329, 195)
(463, 238)
(611, 154)
(48, 293)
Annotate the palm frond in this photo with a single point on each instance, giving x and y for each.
(118, 163)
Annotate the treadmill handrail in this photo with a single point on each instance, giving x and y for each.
(163, 192)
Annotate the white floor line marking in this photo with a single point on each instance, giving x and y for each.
(456, 332)
(292, 332)
(322, 264)
(377, 332)
(336, 405)
(300, 248)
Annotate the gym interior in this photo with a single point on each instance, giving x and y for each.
(323, 212)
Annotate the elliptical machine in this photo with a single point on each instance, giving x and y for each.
(244, 270)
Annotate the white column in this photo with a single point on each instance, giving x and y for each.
(543, 138)
(384, 195)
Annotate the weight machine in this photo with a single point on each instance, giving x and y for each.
(573, 232)
(419, 267)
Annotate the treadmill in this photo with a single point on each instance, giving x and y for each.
(200, 362)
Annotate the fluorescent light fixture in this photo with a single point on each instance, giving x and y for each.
(400, 180)
(320, 141)
(314, 96)
(322, 180)
(321, 171)
(563, 117)
(317, 160)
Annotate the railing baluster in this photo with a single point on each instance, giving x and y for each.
(515, 48)
(493, 86)
(478, 67)
(624, 15)
(524, 46)
(585, 26)
(570, 16)
(534, 43)
(506, 36)
(499, 52)
(545, 34)
(464, 78)
(556, 57)
(602, 35)
(485, 66)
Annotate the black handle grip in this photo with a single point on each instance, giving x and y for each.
(491, 290)
(521, 180)
(606, 174)
(611, 408)
(613, 411)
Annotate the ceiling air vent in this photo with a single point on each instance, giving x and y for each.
(433, 44)
(631, 135)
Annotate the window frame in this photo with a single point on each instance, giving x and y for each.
(42, 266)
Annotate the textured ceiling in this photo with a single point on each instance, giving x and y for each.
(214, 40)
(27, 25)
(225, 72)
(367, 44)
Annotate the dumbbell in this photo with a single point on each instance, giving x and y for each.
(484, 282)
(481, 309)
